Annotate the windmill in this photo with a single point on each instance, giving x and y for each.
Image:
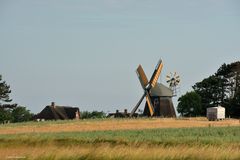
(158, 97)
(173, 80)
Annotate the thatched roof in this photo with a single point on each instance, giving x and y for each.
(53, 112)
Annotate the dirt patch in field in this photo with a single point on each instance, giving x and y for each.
(114, 124)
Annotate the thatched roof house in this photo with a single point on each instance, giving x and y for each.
(54, 112)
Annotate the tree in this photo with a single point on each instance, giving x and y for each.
(21, 114)
(11, 112)
(234, 105)
(211, 92)
(93, 114)
(5, 111)
(5, 115)
(190, 104)
(4, 91)
(228, 74)
(97, 114)
(221, 88)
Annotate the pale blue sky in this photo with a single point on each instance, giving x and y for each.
(84, 53)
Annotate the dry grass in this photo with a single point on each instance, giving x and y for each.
(122, 139)
(112, 124)
(122, 152)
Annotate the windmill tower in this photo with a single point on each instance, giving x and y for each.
(158, 97)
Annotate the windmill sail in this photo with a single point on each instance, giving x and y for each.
(156, 73)
(142, 76)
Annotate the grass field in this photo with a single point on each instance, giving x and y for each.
(122, 139)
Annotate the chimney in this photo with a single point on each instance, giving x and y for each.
(77, 115)
(53, 104)
(125, 111)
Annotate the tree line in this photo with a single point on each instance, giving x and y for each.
(16, 113)
(221, 88)
(11, 112)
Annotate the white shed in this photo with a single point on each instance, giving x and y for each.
(216, 113)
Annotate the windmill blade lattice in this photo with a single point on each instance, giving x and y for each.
(173, 80)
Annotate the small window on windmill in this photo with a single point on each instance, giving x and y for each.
(156, 102)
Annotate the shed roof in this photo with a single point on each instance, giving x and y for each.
(217, 107)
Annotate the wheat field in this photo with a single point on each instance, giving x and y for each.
(153, 138)
(106, 151)
(112, 124)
